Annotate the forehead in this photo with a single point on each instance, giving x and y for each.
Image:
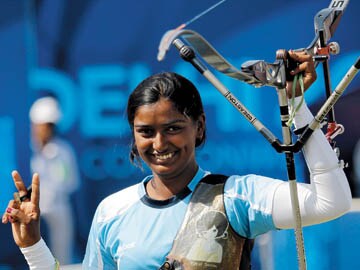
(160, 112)
(41, 126)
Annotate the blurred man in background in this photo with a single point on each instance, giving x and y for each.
(54, 159)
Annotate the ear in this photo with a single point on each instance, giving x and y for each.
(200, 127)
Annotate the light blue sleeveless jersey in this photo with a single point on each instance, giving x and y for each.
(132, 231)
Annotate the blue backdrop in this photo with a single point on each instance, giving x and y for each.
(92, 53)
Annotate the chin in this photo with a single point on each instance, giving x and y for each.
(162, 171)
(168, 172)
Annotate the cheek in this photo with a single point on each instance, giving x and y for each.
(186, 139)
(192, 137)
(140, 143)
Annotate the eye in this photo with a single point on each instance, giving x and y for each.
(174, 129)
(145, 131)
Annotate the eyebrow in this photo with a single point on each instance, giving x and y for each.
(176, 121)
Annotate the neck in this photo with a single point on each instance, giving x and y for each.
(161, 188)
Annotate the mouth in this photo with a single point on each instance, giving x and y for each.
(164, 157)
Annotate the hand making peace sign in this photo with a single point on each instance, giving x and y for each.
(24, 213)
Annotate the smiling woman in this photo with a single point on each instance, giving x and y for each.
(181, 216)
(167, 128)
(165, 141)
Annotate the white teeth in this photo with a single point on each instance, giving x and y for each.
(164, 157)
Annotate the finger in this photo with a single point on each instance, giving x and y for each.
(301, 56)
(16, 215)
(19, 183)
(5, 217)
(309, 80)
(309, 73)
(303, 67)
(306, 67)
(35, 195)
(9, 218)
(16, 201)
(16, 197)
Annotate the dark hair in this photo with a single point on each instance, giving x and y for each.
(171, 86)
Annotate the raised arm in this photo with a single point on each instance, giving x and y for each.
(24, 215)
(328, 195)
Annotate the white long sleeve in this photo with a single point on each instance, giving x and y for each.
(39, 256)
(328, 195)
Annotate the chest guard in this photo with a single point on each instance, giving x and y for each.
(205, 239)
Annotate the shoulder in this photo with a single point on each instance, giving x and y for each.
(248, 202)
(58, 147)
(118, 203)
(251, 180)
(63, 145)
(250, 185)
(59, 142)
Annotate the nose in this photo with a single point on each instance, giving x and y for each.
(160, 142)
